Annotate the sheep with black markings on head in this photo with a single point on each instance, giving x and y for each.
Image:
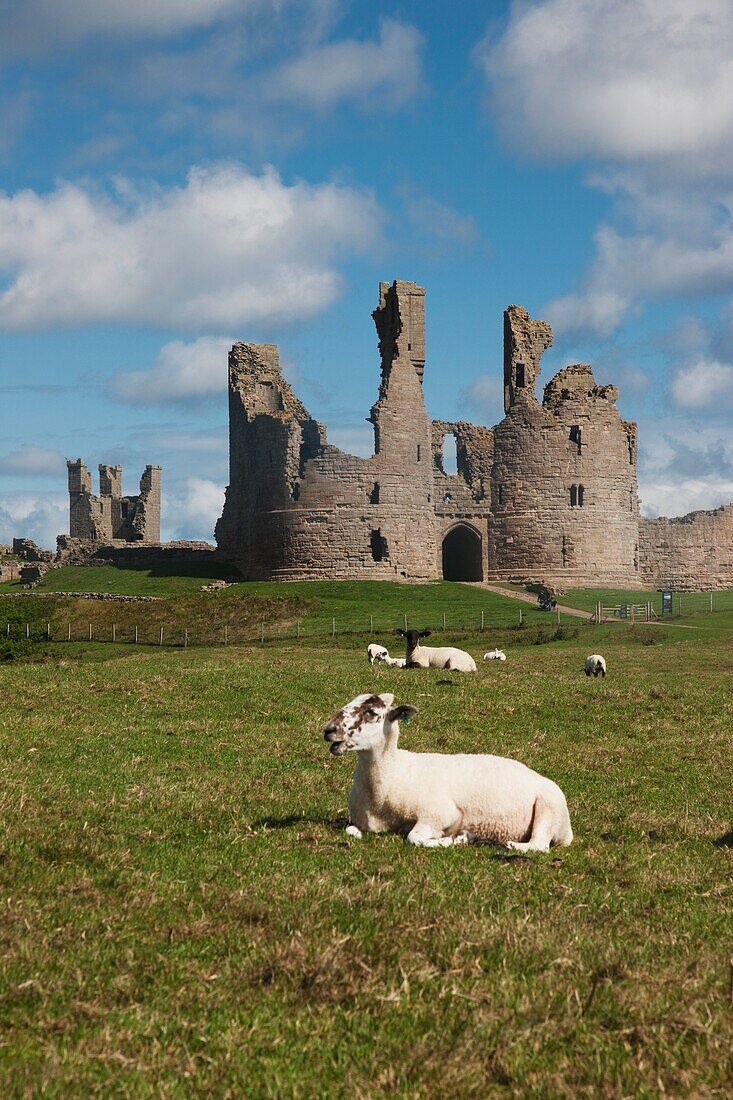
(437, 799)
(424, 656)
(381, 653)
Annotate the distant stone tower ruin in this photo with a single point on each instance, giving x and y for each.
(548, 494)
(110, 516)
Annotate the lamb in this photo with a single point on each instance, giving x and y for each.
(375, 652)
(595, 665)
(422, 656)
(495, 655)
(438, 799)
(381, 653)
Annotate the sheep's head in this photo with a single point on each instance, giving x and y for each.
(412, 637)
(364, 723)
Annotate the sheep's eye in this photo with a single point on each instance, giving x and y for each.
(371, 714)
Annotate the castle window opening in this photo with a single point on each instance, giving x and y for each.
(450, 454)
(419, 453)
(573, 496)
(447, 498)
(374, 495)
(499, 494)
(581, 494)
(520, 375)
(576, 436)
(462, 558)
(378, 544)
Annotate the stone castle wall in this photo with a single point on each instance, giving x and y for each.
(549, 493)
(110, 515)
(689, 552)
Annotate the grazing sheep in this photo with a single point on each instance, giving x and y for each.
(381, 653)
(423, 656)
(495, 655)
(375, 652)
(595, 665)
(439, 799)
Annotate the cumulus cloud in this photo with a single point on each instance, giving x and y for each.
(227, 248)
(484, 398)
(335, 71)
(181, 372)
(704, 384)
(677, 497)
(35, 26)
(40, 518)
(645, 89)
(191, 509)
(632, 80)
(31, 461)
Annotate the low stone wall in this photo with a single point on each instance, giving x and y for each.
(140, 555)
(692, 552)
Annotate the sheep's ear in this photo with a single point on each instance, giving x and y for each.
(402, 714)
(425, 633)
(387, 699)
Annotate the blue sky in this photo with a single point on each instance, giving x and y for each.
(178, 174)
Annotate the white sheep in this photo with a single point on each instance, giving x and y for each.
(595, 665)
(438, 799)
(381, 653)
(375, 652)
(424, 656)
(495, 655)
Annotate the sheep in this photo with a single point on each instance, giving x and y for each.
(438, 799)
(375, 652)
(595, 665)
(446, 657)
(495, 655)
(381, 653)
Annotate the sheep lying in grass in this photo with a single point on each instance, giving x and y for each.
(495, 655)
(424, 656)
(381, 653)
(438, 799)
(595, 665)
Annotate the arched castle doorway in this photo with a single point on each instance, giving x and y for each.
(462, 554)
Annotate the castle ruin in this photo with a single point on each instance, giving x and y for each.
(549, 493)
(111, 516)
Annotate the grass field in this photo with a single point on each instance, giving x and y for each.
(183, 915)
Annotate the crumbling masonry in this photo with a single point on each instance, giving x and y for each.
(110, 516)
(548, 494)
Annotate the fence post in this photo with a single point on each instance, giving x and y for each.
(48, 630)
(68, 634)
(679, 606)
(297, 629)
(333, 628)
(27, 630)
(371, 624)
(520, 616)
(558, 613)
(482, 620)
(444, 620)
(226, 635)
(711, 601)
(262, 631)
(631, 609)
(185, 639)
(161, 635)
(90, 632)
(405, 621)
(599, 612)
(114, 632)
(135, 635)
(8, 630)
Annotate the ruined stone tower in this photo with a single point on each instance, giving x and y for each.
(111, 516)
(548, 494)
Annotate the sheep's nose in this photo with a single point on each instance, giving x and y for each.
(330, 732)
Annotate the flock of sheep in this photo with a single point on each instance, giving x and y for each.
(440, 799)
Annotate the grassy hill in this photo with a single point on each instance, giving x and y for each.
(183, 915)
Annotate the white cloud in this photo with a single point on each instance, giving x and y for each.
(191, 509)
(436, 220)
(40, 518)
(181, 372)
(632, 80)
(31, 461)
(704, 384)
(353, 440)
(327, 74)
(484, 398)
(678, 496)
(227, 248)
(34, 26)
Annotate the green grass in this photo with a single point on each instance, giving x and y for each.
(688, 602)
(183, 915)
